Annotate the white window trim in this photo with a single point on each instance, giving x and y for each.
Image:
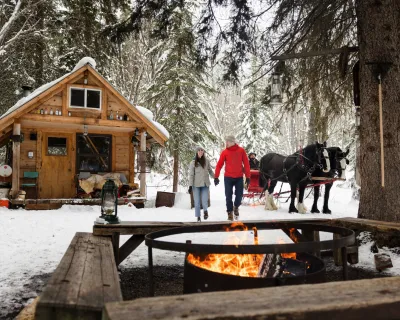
(85, 98)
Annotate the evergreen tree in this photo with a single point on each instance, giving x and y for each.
(178, 89)
(256, 132)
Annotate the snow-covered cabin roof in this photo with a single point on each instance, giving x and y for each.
(86, 63)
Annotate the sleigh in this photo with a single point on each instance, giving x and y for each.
(253, 192)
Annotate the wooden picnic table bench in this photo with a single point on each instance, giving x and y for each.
(138, 229)
(83, 282)
(376, 299)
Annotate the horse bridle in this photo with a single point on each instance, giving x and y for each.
(320, 155)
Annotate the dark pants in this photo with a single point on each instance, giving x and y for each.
(229, 184)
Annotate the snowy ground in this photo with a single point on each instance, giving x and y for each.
(33, 242)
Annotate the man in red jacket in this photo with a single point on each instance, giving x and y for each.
(234, 158)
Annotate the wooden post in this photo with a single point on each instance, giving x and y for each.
(131, 160)
(310, 235)
(16, 160)
(142, 174)
(337, 255)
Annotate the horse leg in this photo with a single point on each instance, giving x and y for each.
(314, 208)
(301, 207)
(328, 187)
(269, 199)
(293, 189)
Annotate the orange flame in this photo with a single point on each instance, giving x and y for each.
(291, 255)
(244, 265)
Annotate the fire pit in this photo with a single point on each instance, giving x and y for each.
(250, 265)
(283, 271)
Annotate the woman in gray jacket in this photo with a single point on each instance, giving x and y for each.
(199, 181)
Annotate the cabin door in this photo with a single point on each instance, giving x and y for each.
(56, 176)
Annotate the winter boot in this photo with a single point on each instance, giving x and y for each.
(230, 215)
(205, 215)
(236, 212)
(198, 219)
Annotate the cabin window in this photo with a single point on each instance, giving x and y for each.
(56, 146)
(93, 153)
(85, 98)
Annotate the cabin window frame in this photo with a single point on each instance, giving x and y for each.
(91, 155)
(57, 137)
(85, 98)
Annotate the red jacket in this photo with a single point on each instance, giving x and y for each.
(234, 159)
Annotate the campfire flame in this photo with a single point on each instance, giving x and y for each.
(291, 255)
(244, 265)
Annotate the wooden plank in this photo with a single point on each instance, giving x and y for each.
(131, 162)
(54, 101)
(376, 299)
(337, 254)
(91, 284)
(295, 235)
(129, 246)
(83, 282)
(75, 128)
(143, 174)
(367, 225)
(104, 105)
(144, 227)
(111, 287)
(80, 120)
(43, 206)
(122, 140)
(64, 111)
(72, 201)
(113, 153)
(39, 153)
(115, 243)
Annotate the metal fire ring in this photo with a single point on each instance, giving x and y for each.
(347, 239)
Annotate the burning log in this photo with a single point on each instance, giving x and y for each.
(275, 266)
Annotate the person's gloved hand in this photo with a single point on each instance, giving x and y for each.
(216, 181)
(190, 189)
(247, 181)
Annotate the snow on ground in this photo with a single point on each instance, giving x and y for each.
(33, 242)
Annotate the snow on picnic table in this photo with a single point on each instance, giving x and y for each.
(33, 242)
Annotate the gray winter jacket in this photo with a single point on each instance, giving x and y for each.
(199, 176)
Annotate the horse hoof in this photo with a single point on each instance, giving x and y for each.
(327, 211)
(315, 210)
(293, 210)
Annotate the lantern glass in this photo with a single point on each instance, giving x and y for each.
(109, 202)
(276, 89)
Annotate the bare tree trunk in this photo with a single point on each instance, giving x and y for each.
(378, 27)
(176, 142)
(312, 132)
(176, 170)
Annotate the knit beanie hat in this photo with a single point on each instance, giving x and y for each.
(230, 139)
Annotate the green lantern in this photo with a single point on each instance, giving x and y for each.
(109, 202)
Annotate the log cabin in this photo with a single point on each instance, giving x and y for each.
(76, 124)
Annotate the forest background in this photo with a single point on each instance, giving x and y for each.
(202, 67)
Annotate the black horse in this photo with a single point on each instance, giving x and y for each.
(338, 162)
(295, 169)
